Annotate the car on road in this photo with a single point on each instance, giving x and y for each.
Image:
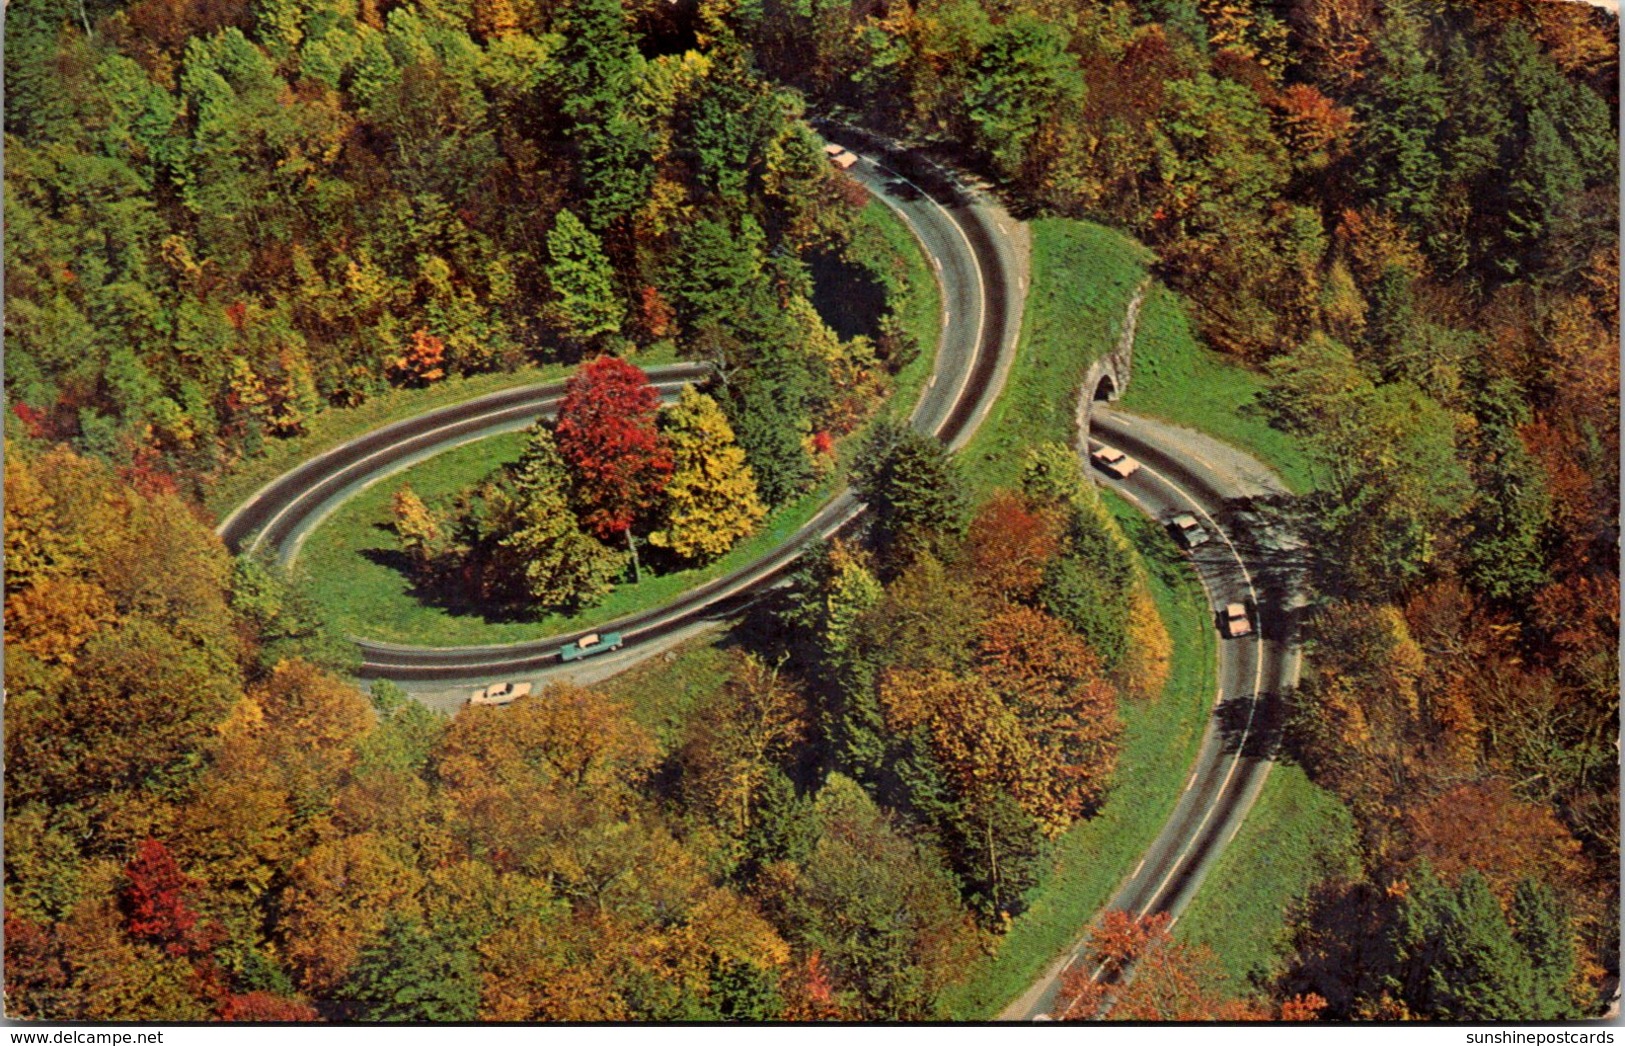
(1236, 621)
(1187, 531)
(839, 156)
(1114, 462)
(590, 644)
(499, 694)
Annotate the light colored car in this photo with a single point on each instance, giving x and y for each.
(1114, 462)
(1237, 622)
(1187, 531)
(499, 694)
(839, 156)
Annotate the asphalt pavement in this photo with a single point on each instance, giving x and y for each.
(1182, 471)
(968, 238)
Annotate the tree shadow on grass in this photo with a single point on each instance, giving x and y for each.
(453, 603)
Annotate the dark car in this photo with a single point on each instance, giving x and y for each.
(1187, 531)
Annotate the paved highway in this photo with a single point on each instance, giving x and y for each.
(965, 236)
(1182, 471)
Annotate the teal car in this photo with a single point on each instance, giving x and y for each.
(590, 644)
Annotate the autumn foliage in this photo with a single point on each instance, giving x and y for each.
(1133, 970)
(608, 437)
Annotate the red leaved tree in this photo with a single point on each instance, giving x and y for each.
(1134, 971)
(607, 434)
(157, 899)
(264, 1007)
(1009, 544)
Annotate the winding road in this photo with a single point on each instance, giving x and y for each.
(1246, 561)
(964, 234)
(977, 254)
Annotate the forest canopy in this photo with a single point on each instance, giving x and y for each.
(224, 217)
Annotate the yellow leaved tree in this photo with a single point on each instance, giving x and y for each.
(710, 500)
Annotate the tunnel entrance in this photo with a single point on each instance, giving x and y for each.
(1106, 389)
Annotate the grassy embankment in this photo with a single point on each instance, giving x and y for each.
(1297, 834)
(348, 561)
(1083, 278)
(1179, 379)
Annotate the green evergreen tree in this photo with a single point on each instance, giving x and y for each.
(1480, 973)
(1503, 553)
(914, 490)
(997, 848)
(585, 304)
(1090, 585)
(768, 411)
(833, 594)
(1543, 182)
(597, 85)
(1400, 162)
(1543, 931)
(562, 564)
(412, 974)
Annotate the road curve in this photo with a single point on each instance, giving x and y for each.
(961, 232)
(1238, 746)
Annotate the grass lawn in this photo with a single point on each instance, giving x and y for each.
(349, 563)
(661, 691)
(1083, 276)
(1179, 379)
(1297, 834)
(1160, 741)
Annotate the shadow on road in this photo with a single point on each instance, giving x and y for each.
(1248, 731)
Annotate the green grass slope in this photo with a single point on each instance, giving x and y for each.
(1297, 834)
(1083, 276)
(1177, 378)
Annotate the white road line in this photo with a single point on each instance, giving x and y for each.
(1252, 707)
(981, 286)
(271, 523)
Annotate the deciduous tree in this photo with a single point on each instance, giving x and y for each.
(710, 502)
(585, 305)
(608, 436)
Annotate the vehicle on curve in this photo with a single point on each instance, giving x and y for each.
(499, 694)
(1114, 462)
(1187, 532)
(590, 644)
(839, 157)
(1237, 622)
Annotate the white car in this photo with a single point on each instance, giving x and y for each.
(839, 156)
(499, 694)
(1114, 462)
(1237, 622)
